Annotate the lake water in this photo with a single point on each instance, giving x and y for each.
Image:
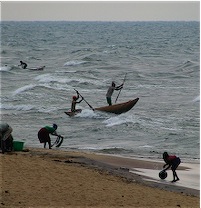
(162, 62)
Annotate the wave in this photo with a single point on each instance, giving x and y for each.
(118, 120)
(48, 78)
(17, 107)
(27, 108)
(197, 99)
(5, 68)
(188, 67)
(62, 71)
(24, 88)
(47, 110)
(33, 86)
(87, 113)
(74, 63)
(10, 68)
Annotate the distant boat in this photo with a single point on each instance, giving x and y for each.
(116, 108)
(119, 108)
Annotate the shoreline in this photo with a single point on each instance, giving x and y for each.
(142, 167)
(93, 177)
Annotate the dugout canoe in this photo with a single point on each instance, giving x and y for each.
(119, 108)
(116, 108)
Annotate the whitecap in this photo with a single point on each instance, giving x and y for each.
(88, 113)
(74, 63)
(23, 89)
(47, 110)
(197, 99)
(118, 120)
(16, 107)
(47, 78)
(146, 146)
(5, 68)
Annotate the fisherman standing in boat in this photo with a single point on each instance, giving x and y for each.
(111, 90)
(74, 101)
(23, 65)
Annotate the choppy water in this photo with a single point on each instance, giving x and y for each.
(161, 60)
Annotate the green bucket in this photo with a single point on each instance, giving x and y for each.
(18, 146)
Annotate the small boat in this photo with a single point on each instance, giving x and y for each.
(36, 68)
(70, 113)
(116, 108)
(119, 108)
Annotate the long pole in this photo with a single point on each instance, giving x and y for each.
(121, 88)
(85, 100)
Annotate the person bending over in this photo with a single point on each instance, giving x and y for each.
(173, 162)
(6, 139)
(44, 134)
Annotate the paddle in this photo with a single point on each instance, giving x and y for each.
(84, 100)
(121, 88)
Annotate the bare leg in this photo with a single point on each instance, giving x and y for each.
(2, 146)
(49, 145)
(175, 177)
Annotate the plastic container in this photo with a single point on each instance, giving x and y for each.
(18, 146)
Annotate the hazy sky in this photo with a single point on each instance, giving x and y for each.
(101, 10)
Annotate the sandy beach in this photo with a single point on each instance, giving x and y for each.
(53, 178)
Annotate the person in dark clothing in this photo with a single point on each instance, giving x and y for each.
(44, 134)
(173, 162)
(23, 65)
(6, 139)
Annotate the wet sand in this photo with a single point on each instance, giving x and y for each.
(53, 178)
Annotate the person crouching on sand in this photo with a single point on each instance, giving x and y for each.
(44, 134)
(173, 162)
(6, 139)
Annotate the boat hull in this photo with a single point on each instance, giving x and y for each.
(70, 113)
(40, 68)
(116, 108)
(119, 108)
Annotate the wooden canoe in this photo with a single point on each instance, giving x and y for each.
(119, 108)
(116, 108)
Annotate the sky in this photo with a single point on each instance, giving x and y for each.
(100, 10)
